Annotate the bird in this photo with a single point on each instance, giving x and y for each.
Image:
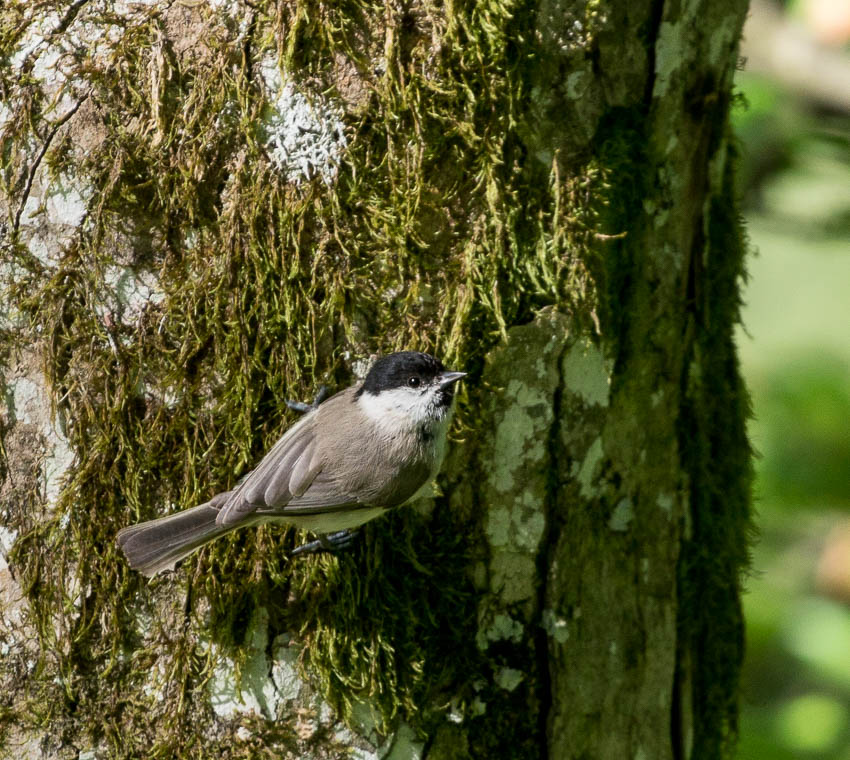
(367, 449)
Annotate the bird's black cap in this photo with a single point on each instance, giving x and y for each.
(396, 370)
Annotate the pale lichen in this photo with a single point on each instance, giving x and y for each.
(555, 626)
(28, 403)
(250, 688)
(622, 516)
(586, 472)
(305, 135)
(508, 678)
(587, 373)
(668, 56)
(498, 627)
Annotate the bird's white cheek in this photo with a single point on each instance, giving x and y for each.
(397, 407)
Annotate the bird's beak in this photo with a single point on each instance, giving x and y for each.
(447, 378)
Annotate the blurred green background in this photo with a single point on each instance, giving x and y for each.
(793, 123)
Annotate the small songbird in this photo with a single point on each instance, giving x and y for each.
(367, 449)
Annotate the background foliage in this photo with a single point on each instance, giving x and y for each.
(796, 358)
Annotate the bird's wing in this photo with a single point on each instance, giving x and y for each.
(292, 479)
(324, 494)
(287, 470)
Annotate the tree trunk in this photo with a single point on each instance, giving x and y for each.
(210, 208)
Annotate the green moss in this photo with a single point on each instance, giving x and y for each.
(622, 140)
(718, 457)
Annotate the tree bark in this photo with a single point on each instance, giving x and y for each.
(210, 208)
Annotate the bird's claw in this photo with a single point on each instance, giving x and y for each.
(302, 408)
(328, 542)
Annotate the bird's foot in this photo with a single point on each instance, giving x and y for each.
(302, 408)
(328, 542)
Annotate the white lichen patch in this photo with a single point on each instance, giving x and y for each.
(659, 215)
(454, 714)
(519, 526)
(305, 136)
(128, 292)
(100, 25)
(52, 213)
(284, 671)
(508, 678)
(255, 692)
(11, 317)
(59, 459)
(365, 715)
(722, 37)
(568, 27)
(672, 45)
(6, 117)
(501, 627)
(587, 373)
(514, 574)
(588, 468)
(34, 45)
(356, 753)
(7, 538)
(555, 627)
(717, 170)
(405, 745)
(48, 55)
(156, 684)
(622, 515)
(92, 31)
(23, 406)
(668, 56)
(665, 502)
(525, 375)
(577, 84)
(28, 402)
(515, 525)
(66, 202)
(498, 526)
(518, 435)
(672, 144)
(367, 743)
(13, 607)
(479, 707)
(271, 687)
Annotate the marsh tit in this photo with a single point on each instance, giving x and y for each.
(367, 449)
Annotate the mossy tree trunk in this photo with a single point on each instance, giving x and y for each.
(210, 208)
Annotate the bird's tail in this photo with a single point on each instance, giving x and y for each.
(158, 544)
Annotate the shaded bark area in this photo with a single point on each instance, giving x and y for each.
(648, 535)
(208, 210)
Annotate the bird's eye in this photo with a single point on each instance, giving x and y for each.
(413, 382)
